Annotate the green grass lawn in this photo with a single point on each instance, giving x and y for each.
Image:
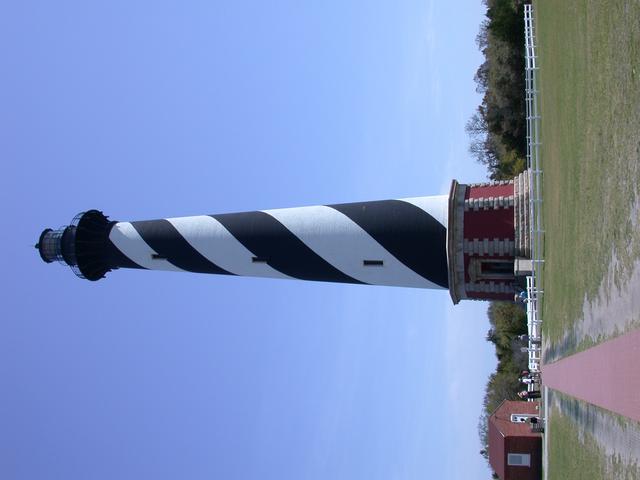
(583, 460)
(590, 104)
(589, 81)
(580, 437)
(580, 456)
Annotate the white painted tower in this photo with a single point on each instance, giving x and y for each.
(391, 242)
(465, 242)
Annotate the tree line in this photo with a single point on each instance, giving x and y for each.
(508, 320)
(497, 129)
(497, 132)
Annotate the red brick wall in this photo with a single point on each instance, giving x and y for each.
(490, 191)
(489, 223)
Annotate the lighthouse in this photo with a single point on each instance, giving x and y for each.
(465, 242)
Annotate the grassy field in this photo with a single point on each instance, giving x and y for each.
(588, 442)
(586, 458)
(589, 80)
(590, 103)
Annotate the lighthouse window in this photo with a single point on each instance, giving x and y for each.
(372, 263)
(258, 260)
(157, 256)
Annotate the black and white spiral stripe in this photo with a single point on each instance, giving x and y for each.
(390, 242)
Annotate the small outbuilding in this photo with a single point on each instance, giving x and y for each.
(515, 452)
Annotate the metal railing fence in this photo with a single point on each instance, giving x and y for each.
(536, 234)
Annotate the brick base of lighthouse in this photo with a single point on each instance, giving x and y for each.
(487, 222)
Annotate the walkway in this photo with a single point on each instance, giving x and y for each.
(607, 375)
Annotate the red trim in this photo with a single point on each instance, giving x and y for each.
(490, 191)
(489, 224)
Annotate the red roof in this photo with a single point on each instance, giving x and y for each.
(501, 426)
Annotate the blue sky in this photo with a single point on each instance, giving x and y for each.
(157, 109)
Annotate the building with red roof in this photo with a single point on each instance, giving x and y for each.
(515, 452)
